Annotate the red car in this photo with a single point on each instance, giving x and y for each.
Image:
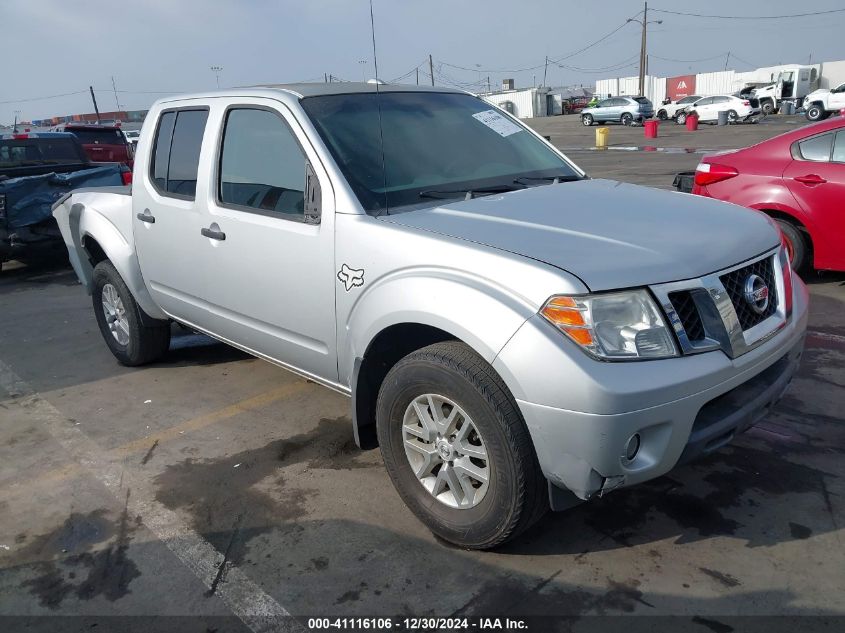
(798, 179)
(102, 143)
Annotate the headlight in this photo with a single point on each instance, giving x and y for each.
(614, 326)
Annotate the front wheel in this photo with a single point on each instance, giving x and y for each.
(587, 120)
(119, 318)
(815, 113)
(681, 119)
(457, 449)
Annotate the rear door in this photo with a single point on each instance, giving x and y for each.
(167, 218)
(704, 109)
(816, 179)
(270, 257)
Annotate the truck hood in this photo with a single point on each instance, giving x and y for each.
(818, 93)
(607, 233)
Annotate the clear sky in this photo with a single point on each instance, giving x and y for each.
(52, 47)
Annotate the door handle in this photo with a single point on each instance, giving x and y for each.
(146, 216)
(810, 179)
(213, 234)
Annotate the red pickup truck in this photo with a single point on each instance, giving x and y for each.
(102, 143)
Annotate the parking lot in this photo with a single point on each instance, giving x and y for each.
(218, 485)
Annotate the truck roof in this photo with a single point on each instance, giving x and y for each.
(301, 90)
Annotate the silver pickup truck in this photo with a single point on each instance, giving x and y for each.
(513, 334)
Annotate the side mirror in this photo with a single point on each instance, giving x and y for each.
(313, 196)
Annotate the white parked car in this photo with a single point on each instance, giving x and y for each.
(670, 110)
(708, 109)
(132, 136)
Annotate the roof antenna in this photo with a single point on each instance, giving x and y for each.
(373, 31)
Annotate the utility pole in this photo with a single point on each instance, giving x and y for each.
(15, 128)
(431, 68)
(643, 48)
(727, 59)
(114, 87)
(545, 70)
(418, 75)
(488, 85)
(94, 99)
(643, 55)
(325, 78)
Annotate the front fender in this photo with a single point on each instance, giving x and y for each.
(471, 308)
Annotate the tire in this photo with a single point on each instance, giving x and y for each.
(516, 493)
(626, 118)
(796, 245)
(661, 114)
(681, 118)
(815, 113)
(587, 120)
(733, 117)
(132, 342)
(767, 107)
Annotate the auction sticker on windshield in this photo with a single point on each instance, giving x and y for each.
(497, 122)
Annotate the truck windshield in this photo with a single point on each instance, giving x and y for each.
(428, 145)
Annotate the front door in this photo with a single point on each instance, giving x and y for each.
(269, 242)
(167, 217)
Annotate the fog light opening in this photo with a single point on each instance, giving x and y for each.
(632, 447)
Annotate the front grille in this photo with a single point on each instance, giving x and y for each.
(687, 311)
(734, 283)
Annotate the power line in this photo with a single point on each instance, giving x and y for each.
(750, 17)
(688, 61)
(554, 61)
(66, 94)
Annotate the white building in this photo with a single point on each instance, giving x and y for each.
(526, 103)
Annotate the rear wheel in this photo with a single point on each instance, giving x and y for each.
(796, 245)
(587, 119)
(733, 117)
(627, 119)
(661, 114)
(120, 322)
(457, 449)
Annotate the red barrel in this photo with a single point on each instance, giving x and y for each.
(692, 123)
(651, 128)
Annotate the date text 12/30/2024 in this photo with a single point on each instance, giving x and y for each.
(416, 624)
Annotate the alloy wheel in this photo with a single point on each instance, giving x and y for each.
(115, 313)
(445, 451)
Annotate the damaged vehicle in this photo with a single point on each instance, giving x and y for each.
(513, 334)
(36, 169)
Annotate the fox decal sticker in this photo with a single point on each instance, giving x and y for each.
(351, 277)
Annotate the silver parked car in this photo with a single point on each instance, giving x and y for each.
(624, 110)
(513, 335)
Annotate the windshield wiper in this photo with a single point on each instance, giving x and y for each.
(469, 193)
(552, 179)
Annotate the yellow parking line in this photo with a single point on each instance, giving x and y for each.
(207, 419)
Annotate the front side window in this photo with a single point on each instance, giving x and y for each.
(177, 152)
(816, 148)
(399, 149)
(262, 166)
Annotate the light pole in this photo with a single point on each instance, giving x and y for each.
(644, 22)
(217, 70)
(363, 63)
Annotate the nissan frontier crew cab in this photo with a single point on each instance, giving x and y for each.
(513, 334)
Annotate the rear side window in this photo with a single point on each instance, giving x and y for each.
(816, 148)
(177, 152)
(262, 166)
(642, 100)
(839, 148)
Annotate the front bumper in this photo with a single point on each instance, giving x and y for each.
(583, 413)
